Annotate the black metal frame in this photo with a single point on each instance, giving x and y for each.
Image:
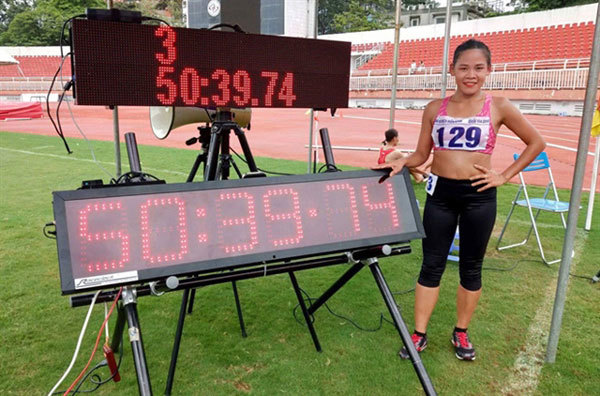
(275, 269)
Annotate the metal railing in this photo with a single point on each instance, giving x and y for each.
(574, 63)
(523, 79)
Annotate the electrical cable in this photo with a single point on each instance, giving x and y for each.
(95, 378)
(58, 131)
(262, 170)
(582, 277)
(85, 323)
(155, 19)
(81, 132)
(97, 342)
(382, 317)
(49, 234)
(330, 167)
(131, 176)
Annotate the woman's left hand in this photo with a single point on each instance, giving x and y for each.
(488, 178)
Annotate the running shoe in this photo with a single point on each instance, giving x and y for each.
(420, 344)
(462, 346)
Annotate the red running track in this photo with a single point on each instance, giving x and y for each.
(283, 133)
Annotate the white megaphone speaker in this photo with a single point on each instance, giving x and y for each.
(164, 119)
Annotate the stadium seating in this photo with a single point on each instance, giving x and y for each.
(571, 41)
(35, 66)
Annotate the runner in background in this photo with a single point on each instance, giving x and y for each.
(389, 152)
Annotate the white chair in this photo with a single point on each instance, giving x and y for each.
(545, 204)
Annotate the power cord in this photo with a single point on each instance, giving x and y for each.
(95, 378)
(81, 334)
(330, 168)
(262, 170)
(382, 317)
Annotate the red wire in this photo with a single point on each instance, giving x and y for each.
(95, 346)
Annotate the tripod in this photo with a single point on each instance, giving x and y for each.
(217, 162)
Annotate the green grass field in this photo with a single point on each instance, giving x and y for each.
(38, 329)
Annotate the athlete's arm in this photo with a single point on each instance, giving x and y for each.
(516, 122)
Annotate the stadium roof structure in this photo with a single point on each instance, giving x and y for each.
(6, 59)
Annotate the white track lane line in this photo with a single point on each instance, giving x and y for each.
(547, 144)
(500, 134)
(524, 376)
(83, 159)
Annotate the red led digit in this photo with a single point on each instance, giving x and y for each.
(169, 43)
(338, 209)
(95, 263)
(154, 232)
(202, 237)
(190, 86)
(387, 205)
(242, 82)
(224, 205)
(272, 76)
(221, 74)
(293, 215)
(286, 94)
(163, 81)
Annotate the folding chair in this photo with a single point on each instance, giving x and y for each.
(539, 204)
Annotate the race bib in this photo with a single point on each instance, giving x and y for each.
(461, 133)
(431, 182)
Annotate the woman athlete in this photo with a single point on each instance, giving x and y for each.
(461, 189)
(389, 152)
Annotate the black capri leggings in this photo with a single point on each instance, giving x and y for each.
(457, 202)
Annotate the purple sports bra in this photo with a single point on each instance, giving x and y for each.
(470, 133)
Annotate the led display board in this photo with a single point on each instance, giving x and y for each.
(146, 65)
(131, 234)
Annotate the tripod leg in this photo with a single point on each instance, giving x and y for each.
(245, 148)
(238, 307)
(334, 288)
(213, 152)
(137, 345)
(178, 334)
(401, 327)
(311, 328)
(201, 158)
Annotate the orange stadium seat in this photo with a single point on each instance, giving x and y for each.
(559, 42)
(35, 66)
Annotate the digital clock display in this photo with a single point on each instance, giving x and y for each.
(119, 235)
(144, 65)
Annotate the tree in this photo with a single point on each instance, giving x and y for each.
(540, 5)
(170, 11)
(339, 16)
(42, 24)
(365, 15)
(10, 8)
(328, 9)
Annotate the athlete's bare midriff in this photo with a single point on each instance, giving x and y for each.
(456, 164)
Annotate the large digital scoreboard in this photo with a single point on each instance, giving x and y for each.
(144, 65)
(125, 235)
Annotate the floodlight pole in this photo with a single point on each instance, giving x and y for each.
(115, 111)
(117, 140)
(312, 111)
(395, 67)
(575, 200)
(446, 47)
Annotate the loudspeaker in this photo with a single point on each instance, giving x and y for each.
(164, 119)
